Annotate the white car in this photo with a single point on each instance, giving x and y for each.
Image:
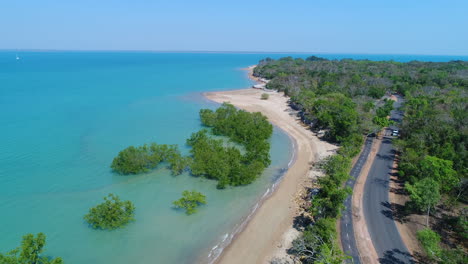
(395, 133)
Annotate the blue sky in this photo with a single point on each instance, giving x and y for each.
(347, 26)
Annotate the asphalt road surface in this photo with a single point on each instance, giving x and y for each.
(377, 208)
(376, 205)
(346, 224)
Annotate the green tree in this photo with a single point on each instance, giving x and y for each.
(440, 170)
(330, 254)
(424, 194)
(208, 117)
(328, 92)
(134, 160)
(317, 244)
(329, 202)
(131, 160)
(337, 113)
(385, 110)
(111, 214)
(454, 256)
(30, 252)
(381, 121)
(190, 201)
(212, 160)
(430, 242)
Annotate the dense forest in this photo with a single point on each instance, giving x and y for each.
(348, 99)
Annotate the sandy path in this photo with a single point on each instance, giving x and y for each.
(269, 230)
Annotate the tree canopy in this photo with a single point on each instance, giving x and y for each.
(239, 163)
(424, 194)
(213, 160)
(348, 99)
(227, 164)
(190, 201)
(30, 252)
(134, 160)
(111, 214)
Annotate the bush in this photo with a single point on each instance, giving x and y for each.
(430, 242)
(190, 201)
(131, 160)
(211, 159)
(110, 214)
(134, 160)
(30, 252)
(265, 96)
(317, 243)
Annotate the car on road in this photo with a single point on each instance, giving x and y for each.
(395, 133)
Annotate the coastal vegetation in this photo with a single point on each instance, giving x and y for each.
(111, 214)
(213, 160)
(265, 96)
(430, 241)
(228, 164)
(30, 252)
(349, 99)
(318, 241)
(434, 160)
(249, 129)
(134, 160)
(317, 244)
(239, 160)
(190, 201)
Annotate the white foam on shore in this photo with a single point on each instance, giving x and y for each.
(218, 249)
(293, 156)
(227, 238)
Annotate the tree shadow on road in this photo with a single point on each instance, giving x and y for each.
(395, 212)
(396, 256)
(399, 185)
(382, 182)
(385, 157)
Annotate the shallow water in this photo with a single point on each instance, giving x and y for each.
(65, 115)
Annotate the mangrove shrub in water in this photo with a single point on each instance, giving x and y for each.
(190, 201)
(29, 252)
(213, 160)
(111, 214)
(210, 157)
(134, 160)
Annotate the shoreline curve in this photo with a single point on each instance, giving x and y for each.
(268, 230)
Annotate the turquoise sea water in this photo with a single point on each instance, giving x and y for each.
(65, 115)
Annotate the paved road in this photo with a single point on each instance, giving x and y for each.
(377, 209)
(346, 223)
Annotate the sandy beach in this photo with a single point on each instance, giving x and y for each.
(269, 232)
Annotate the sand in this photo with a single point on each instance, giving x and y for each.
(408, 227)
(269, 232)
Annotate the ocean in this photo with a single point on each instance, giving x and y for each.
(65, 115)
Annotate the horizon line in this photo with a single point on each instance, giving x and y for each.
(223, 51)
